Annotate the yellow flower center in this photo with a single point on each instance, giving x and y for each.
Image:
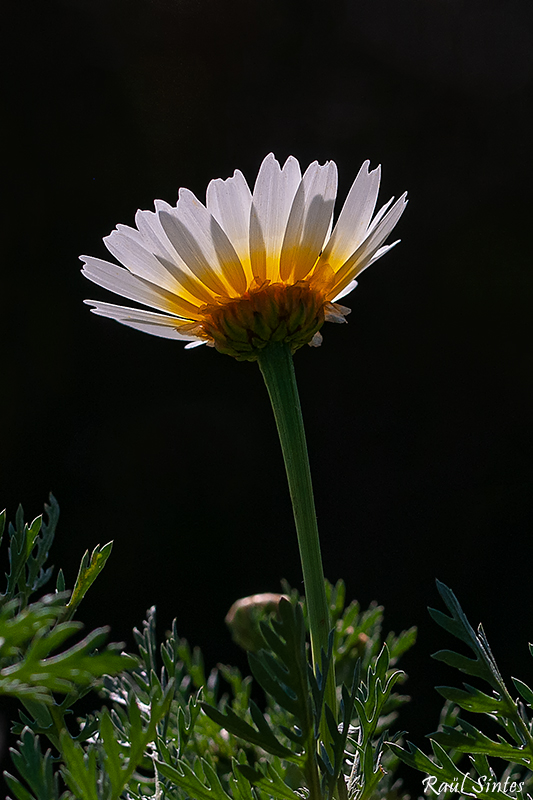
(269, 312)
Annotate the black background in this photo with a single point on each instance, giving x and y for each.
(418, 412)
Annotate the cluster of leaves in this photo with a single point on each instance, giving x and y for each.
(348, 765)
(31, 632)
(165, 731)
(446, 775)
(35, 665)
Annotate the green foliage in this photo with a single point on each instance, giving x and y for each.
(283, 673)
(104, 768)
(36, 666)
(32, 664)
(38, 673)
(369, 698)
(200, 781)
(28, 551)
(166, 730)
(349, 765)
(457, 736)
(358, 634)
(36, 768)
(90, 568)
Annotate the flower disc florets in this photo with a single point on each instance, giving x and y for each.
(247, 268)
(272, 312)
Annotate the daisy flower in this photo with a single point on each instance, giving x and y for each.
(256, 275)
(247, 268)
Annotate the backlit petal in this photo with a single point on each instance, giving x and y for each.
(146, 321)
(122, 282)
(369, 248)
(155, 238)
(203, 245)
(128, 247)
(309, 221)
(351, 227)
(229, 202)
(273, 195)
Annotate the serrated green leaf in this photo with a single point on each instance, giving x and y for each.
(28, 551)
(113, 760)
(34, 768)
(18, 627)
(382, 664)
(79, 769)
(283, 673)
(269, 781)
(77, 666)
(89, 570)
(483, 665)
(473, 699)
(240, 786)
(17, 788)
(471, 740)
(398, 645)
(470, 666)
(208, 788)
(371, 770)
(271, 680)
(524, 691)
(264, 737)
(32, 533)
(444, 771)
(339, 733)
(369, 698)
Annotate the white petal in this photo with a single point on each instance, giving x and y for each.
(382, 251)
(229, 202)
(273, 195)
(309, 220)
(347, 289)
(169, 256)
(368, 250)
(190, 287)
(379, 215)
(122, 282)
(128, 247)
(354, 219)
(203, 245)
(379, 233)
(351, 286)
(146, 321)
(156, 241)
(211, 239)
(317, 340)
(154, 235)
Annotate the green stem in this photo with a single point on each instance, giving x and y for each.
(276, 365)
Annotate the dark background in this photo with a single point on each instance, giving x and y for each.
(418, 412)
